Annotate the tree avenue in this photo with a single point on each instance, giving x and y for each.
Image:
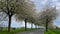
(19, 8)
(28, 12)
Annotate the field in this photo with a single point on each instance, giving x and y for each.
(54, 31)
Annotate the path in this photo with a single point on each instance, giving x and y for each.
(33, 32)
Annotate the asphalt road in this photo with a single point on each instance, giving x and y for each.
(33, 32)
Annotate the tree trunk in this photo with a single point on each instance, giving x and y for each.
(9, 24)
(35, 26)
(46, 25)
(31, 25)
(25, 24)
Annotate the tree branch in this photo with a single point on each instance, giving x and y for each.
(4, 10)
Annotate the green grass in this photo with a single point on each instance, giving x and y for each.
(54, 31)
(57, 31)
(49, 32)
(16, 31)
(12, 31)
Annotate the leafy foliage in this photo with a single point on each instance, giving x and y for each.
(48, 13)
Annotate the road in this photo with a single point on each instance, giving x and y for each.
(32, 32)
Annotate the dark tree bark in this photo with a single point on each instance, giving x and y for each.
(25, 24)
(9, 24)
(47, 25)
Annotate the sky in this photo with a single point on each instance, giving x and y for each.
(39, 5)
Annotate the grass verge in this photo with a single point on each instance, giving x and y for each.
(54, 31)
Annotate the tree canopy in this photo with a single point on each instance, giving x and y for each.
(47, 15)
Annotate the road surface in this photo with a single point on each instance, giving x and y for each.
(33, 32)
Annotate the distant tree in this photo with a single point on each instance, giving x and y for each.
(32, 19)
(2, 19)
(47, 15)
(28, 11)
(51, 25)
(57, 27)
